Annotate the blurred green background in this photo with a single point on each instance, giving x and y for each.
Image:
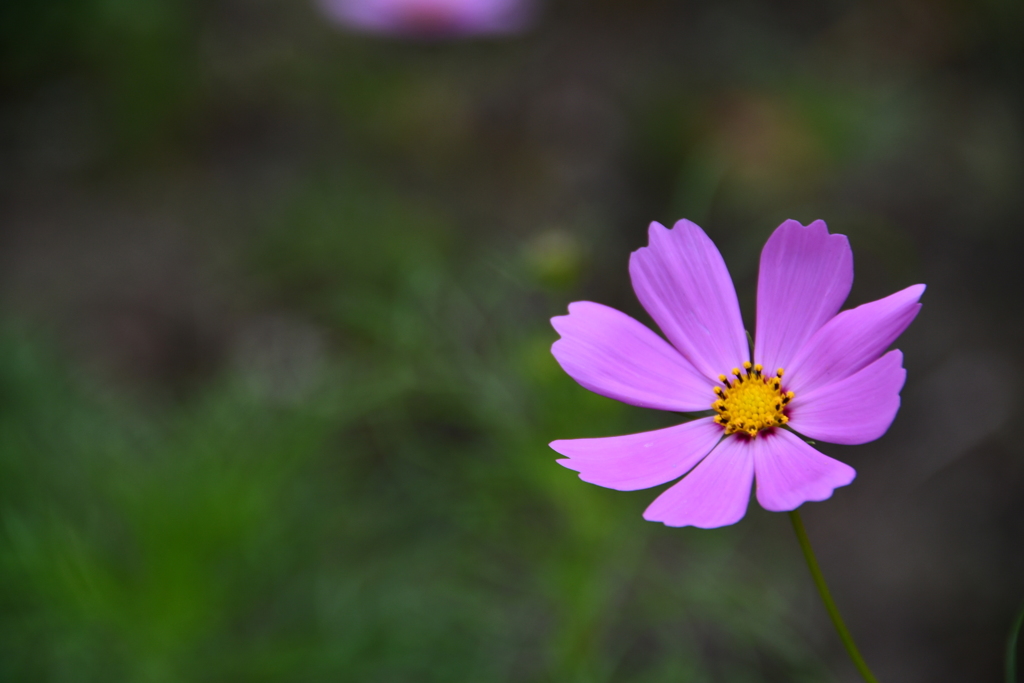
(275, 387)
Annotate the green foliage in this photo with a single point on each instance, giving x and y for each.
(399, 519)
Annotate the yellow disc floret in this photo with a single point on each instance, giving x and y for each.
(751, 402)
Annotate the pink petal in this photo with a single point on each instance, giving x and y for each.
(852, 340)
(855, 410)
(612, 354)
(714, 494)
(683, 283)
(805, 277)
(640, 461)
(790, 473)
(429, 18)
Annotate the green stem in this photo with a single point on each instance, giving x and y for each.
(826, 597)
(1011, 648)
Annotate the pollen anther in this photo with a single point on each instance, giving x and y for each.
(752, 402)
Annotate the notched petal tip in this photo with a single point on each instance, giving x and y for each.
(577, 313)
(804, 276)
(639, 461)
(654, 233)
(568, 464)
(561, 323)
(817, 225)
(816, 229)
(657, 231)
(577, 308)
(669, 520)
(790, 473)
(616, 356)
(681, 280)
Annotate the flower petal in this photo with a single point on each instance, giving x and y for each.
(852, 340)
(429, 18)
(804, 278)
(790, 473)
(855, 410)
(683, 283)
(640, 461)
(714, 494)
(616, 356)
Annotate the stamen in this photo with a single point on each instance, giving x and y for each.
(752, 402)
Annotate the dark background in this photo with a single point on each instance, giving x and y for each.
(275, 388)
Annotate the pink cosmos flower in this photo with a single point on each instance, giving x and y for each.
(430, 18)
(814, 371)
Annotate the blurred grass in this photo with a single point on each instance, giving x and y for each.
(398, 518)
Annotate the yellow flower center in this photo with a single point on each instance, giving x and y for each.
(751, 402)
